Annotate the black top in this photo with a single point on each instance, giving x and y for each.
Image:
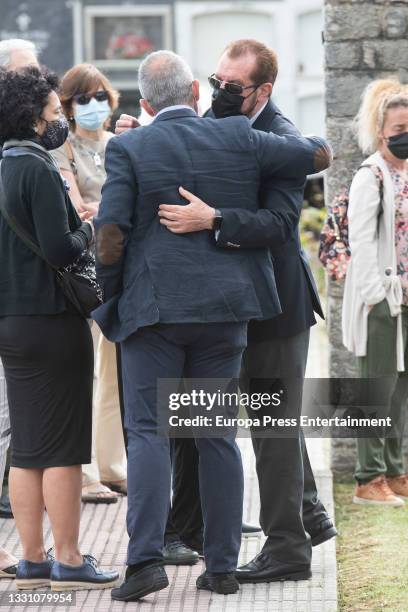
(296, 286)
(36, 197)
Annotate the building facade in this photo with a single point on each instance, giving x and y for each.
(116, 35)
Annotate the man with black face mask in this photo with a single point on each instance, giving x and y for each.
(292, 516)
(227, 103)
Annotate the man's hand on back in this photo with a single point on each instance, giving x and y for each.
(194, 217)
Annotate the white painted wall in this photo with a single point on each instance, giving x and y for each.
(291, 27)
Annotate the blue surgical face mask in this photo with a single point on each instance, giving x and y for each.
(93, 115)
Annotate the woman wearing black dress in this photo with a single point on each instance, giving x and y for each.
(45, 346)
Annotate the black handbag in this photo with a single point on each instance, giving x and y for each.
(77, 281)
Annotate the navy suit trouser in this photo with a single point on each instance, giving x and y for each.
(171, 351)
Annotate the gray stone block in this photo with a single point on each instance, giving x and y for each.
(339, 2)
(403, 75)
(383, 3)
(343, 23)
(386, 54)
(342, 135)
(340, 54)
(334, 321)
(343, 456)
(394, 22)
(343, 364)
(341, 174)
(343, 91)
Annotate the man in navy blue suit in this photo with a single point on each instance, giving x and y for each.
(179, 305)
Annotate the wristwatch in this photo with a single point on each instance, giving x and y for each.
(217, 220)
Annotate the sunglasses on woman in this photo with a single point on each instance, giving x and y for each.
(100, 96)
(232, 88)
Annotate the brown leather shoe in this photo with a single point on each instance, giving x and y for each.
(376, 492)
(399, 485)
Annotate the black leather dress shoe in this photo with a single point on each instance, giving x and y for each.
(176, 553)
(264, 569)
(225, 584)
(324, 531)
(249, 529)
(138, 584)
(196, 545)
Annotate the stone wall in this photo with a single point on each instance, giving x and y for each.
(364, 40)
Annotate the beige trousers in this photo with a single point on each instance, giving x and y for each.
(108, 450)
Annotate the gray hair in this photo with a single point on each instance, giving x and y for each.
(14, 44)
(165, 79)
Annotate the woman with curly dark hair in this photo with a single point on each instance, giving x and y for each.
(45, 346)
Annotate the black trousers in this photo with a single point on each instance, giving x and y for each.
(290, 506)
(185, 521)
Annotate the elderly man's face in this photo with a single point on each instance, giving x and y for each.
(239, 71)
(20, 58)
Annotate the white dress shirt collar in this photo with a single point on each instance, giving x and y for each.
(173, 108)
(255, 117)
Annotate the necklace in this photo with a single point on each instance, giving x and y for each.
(97, 159)
(95, 155)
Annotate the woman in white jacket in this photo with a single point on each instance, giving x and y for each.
(375, 306)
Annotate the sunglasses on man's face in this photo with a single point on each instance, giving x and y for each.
(232, 88)
(100, 96)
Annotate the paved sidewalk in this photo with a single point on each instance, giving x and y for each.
(103, 534)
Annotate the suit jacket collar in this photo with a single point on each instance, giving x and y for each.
(175, 114)
(265, 119)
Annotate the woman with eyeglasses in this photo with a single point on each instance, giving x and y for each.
(88, 101)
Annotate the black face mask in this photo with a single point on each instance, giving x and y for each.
(398, 145)
(55, 134)
(225, 104)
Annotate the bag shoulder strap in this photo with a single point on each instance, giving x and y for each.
(69, 151)
(379, 175)
(13, 224)
(70, 154)
(21, 149)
